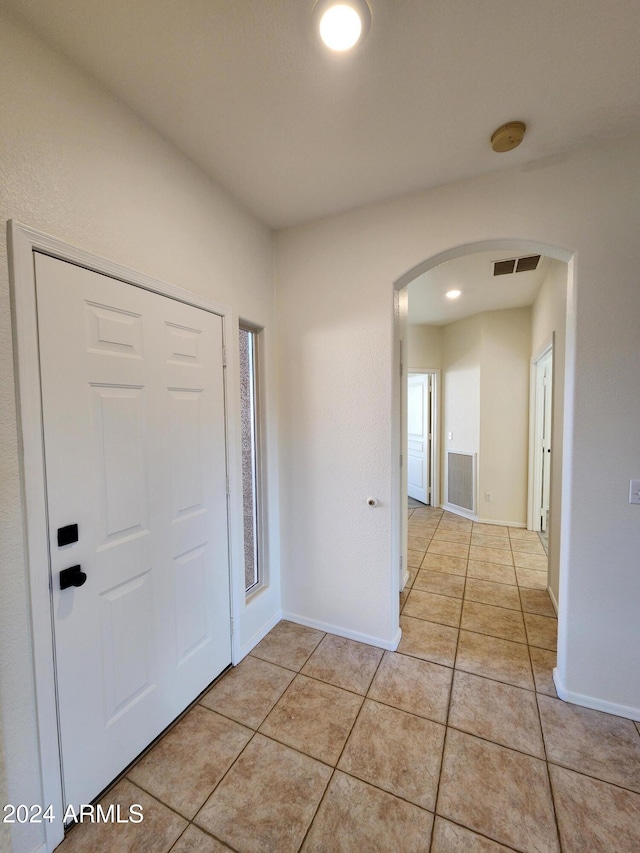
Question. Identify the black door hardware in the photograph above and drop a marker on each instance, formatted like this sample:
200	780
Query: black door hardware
67	535
72	577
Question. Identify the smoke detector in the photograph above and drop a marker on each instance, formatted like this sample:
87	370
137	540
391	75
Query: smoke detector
508	136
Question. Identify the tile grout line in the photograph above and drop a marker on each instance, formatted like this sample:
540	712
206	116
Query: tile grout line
172	809
448	595
544	743
410	713
251	739
344	746
488	677
540	722
446	730
478	833
546	762
317	809
483	633
590	775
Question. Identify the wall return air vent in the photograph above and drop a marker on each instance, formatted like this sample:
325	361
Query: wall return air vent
461	487
525	264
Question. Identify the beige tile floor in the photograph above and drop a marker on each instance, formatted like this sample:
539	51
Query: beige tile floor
456	743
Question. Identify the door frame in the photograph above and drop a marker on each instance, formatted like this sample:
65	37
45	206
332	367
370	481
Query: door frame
536	414
23	241
433	466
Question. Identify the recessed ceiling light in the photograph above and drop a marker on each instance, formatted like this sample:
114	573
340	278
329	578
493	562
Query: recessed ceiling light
342	23
453	294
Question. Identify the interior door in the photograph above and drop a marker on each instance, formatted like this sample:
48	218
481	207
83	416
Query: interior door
134	435
418	413
546	368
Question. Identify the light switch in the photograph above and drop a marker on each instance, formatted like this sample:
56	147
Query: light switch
450	436
634	491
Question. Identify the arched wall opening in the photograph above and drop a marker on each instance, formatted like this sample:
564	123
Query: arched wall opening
399	383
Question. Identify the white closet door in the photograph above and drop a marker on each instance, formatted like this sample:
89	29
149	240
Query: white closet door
418	436
134	434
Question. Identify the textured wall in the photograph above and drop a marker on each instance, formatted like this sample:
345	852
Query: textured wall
76	164
335	280
424	346
504	415
485	406
461	363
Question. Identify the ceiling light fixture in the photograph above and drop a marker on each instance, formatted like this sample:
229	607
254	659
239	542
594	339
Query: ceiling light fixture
453	294
342	24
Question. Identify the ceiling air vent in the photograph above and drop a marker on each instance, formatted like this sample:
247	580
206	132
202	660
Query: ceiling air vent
504	267
526	264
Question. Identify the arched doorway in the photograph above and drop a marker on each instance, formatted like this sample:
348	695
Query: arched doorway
500	248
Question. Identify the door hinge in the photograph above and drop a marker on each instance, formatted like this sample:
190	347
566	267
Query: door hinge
401	460
228	486
401	369
224	356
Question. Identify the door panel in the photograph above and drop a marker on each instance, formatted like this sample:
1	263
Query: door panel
127	633
133	410
418	406
119	429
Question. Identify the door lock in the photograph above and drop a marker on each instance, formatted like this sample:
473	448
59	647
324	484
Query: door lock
73	576
67	535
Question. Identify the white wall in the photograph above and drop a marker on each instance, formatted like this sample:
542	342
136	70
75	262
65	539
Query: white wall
424	346
336	347
485	406
460	410
504	415
76	164
548	317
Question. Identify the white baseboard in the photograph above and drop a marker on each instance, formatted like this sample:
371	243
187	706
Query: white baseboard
593	703
259	635
553	599
456	510
405	579
473	517
501	523
390	645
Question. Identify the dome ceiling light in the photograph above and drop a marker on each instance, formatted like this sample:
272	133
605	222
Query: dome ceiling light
508	136
342	24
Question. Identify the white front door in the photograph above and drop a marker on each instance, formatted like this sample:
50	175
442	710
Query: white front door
418	413
134	434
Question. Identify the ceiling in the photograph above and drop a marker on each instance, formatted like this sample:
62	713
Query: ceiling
481	290
245	90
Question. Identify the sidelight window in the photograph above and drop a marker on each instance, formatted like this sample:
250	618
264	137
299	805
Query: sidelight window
250	425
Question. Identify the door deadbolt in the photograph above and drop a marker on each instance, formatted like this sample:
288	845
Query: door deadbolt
73	576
